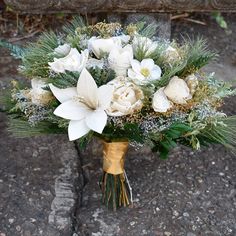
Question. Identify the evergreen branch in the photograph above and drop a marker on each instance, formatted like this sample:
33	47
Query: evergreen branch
16	51
197	55
20	128
70	28
222	133
37	56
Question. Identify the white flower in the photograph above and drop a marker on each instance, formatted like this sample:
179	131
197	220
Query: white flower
127	97
144	72
177	91
119	59
84	106
171	55
160	103
145	44
192	82
63	49
74	61
37	94
101	46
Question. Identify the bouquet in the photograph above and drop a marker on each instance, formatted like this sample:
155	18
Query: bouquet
123	85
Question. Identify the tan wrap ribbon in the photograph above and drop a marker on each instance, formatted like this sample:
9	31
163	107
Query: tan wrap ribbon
114	157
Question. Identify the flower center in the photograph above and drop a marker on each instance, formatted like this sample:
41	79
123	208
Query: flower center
145	72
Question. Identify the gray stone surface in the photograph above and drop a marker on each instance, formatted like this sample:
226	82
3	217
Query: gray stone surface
40	178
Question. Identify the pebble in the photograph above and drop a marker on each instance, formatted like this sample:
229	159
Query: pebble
166	233
185	214
221	174
176	213
11	220
191	234
132	223
2	234
158	209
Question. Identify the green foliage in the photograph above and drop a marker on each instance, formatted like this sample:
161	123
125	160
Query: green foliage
16	51
221	88
222	132
37	56
83	141
220	20
20	128
6	102
196	56
61	80
130	131
149	31
166	140
71	27
102	76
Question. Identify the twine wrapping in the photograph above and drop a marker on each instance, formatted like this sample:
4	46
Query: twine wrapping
114	157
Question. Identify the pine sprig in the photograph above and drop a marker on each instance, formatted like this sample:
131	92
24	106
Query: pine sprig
37	56
223	132
196	56
71	27
16	51
20	128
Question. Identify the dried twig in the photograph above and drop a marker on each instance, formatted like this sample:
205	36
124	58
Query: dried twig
179	16
24	37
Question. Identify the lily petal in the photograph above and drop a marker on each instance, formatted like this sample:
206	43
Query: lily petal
72	110
87	89
77	129
63	95
105	93
97	120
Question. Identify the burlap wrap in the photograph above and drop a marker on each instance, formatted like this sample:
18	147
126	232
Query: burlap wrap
114	157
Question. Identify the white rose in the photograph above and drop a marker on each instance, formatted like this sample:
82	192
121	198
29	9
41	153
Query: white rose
171	55
119	59
192	82
144	43
177	91
160	103
127	97
144	72
101	46
63	49
37	94
74	61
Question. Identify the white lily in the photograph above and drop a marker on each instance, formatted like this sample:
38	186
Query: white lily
144	72
84	106
74	61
